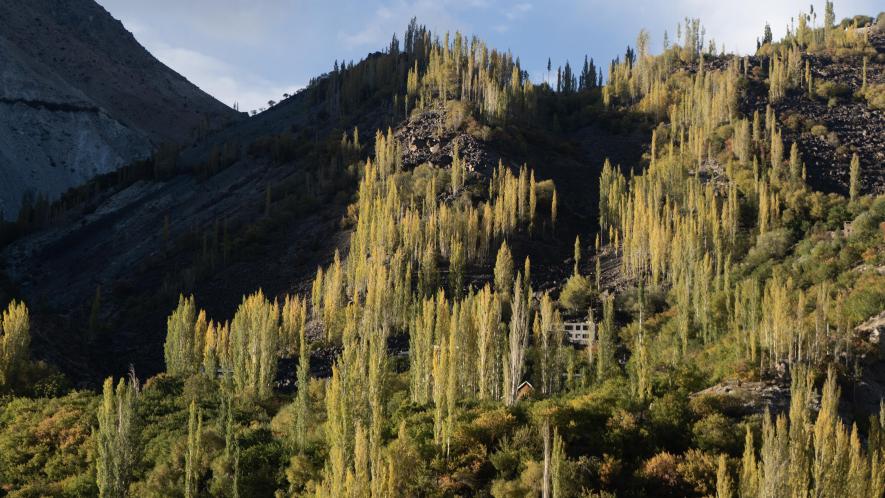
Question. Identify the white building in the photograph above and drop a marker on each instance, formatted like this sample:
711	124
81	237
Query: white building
580	333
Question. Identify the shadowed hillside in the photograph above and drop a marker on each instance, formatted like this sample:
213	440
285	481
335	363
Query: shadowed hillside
80	97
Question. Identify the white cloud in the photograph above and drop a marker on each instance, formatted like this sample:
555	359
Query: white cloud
220	79
392	17
736	24
518	11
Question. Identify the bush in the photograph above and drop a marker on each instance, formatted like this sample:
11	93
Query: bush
662	474
45	445
717	433
865	300
709	404
830	89
576	294
770	245
819	130
875	95
457	113
698	470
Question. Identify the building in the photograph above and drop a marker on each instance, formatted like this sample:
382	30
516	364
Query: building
580	333
525	390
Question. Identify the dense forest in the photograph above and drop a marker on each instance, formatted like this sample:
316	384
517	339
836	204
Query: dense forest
732	287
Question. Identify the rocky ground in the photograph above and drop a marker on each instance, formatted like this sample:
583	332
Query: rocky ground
426	138
830	130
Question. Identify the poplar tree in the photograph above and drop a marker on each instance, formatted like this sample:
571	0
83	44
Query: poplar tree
14	342
457	264
795	162
254	334
605	346
554	209
577	254
421	335
749	482
854	177
548	342
518	338
115	438
724	485
504	270
557	466
302	410
777	153
533	201
179	348
194	456
488	318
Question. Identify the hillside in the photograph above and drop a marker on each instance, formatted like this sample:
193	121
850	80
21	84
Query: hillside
80	97
144	237
427	275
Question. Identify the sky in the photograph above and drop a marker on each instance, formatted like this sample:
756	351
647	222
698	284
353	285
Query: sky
252	51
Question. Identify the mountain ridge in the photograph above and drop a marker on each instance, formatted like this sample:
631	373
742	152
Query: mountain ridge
75	79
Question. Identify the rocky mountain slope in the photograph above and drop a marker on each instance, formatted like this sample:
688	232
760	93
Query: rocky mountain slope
833	123
254	223
80	97
262	202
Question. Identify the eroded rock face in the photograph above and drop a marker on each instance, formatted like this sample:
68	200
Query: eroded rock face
747	398
830	133
80	97
425	138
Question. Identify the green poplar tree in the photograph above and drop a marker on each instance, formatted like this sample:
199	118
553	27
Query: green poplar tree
116	438
504	271
854	178
302	410
194	456
14	342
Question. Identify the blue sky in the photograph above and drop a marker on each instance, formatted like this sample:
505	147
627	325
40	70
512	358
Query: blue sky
250	51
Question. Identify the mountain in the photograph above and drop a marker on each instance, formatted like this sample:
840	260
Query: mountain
260	203
253	206
80	97
426	275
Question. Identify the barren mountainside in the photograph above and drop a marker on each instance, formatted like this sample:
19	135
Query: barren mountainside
79	96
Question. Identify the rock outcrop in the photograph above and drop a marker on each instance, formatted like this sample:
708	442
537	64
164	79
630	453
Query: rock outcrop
79	97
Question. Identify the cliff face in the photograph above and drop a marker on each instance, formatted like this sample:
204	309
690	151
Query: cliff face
79	97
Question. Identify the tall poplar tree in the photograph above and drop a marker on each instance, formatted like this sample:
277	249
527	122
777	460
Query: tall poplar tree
14	342
518	338
115	438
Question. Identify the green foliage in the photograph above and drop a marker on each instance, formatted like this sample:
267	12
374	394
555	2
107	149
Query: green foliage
716	433
14	342
874	93
46	445
504	270
116	438
727	266
183	349
770	246
254	334
576	294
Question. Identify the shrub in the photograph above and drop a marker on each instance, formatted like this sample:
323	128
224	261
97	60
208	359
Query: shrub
717	433
457	113
830	89
819	130
874	95
770	245
490	426
576	294
698	470
661	471
708	404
